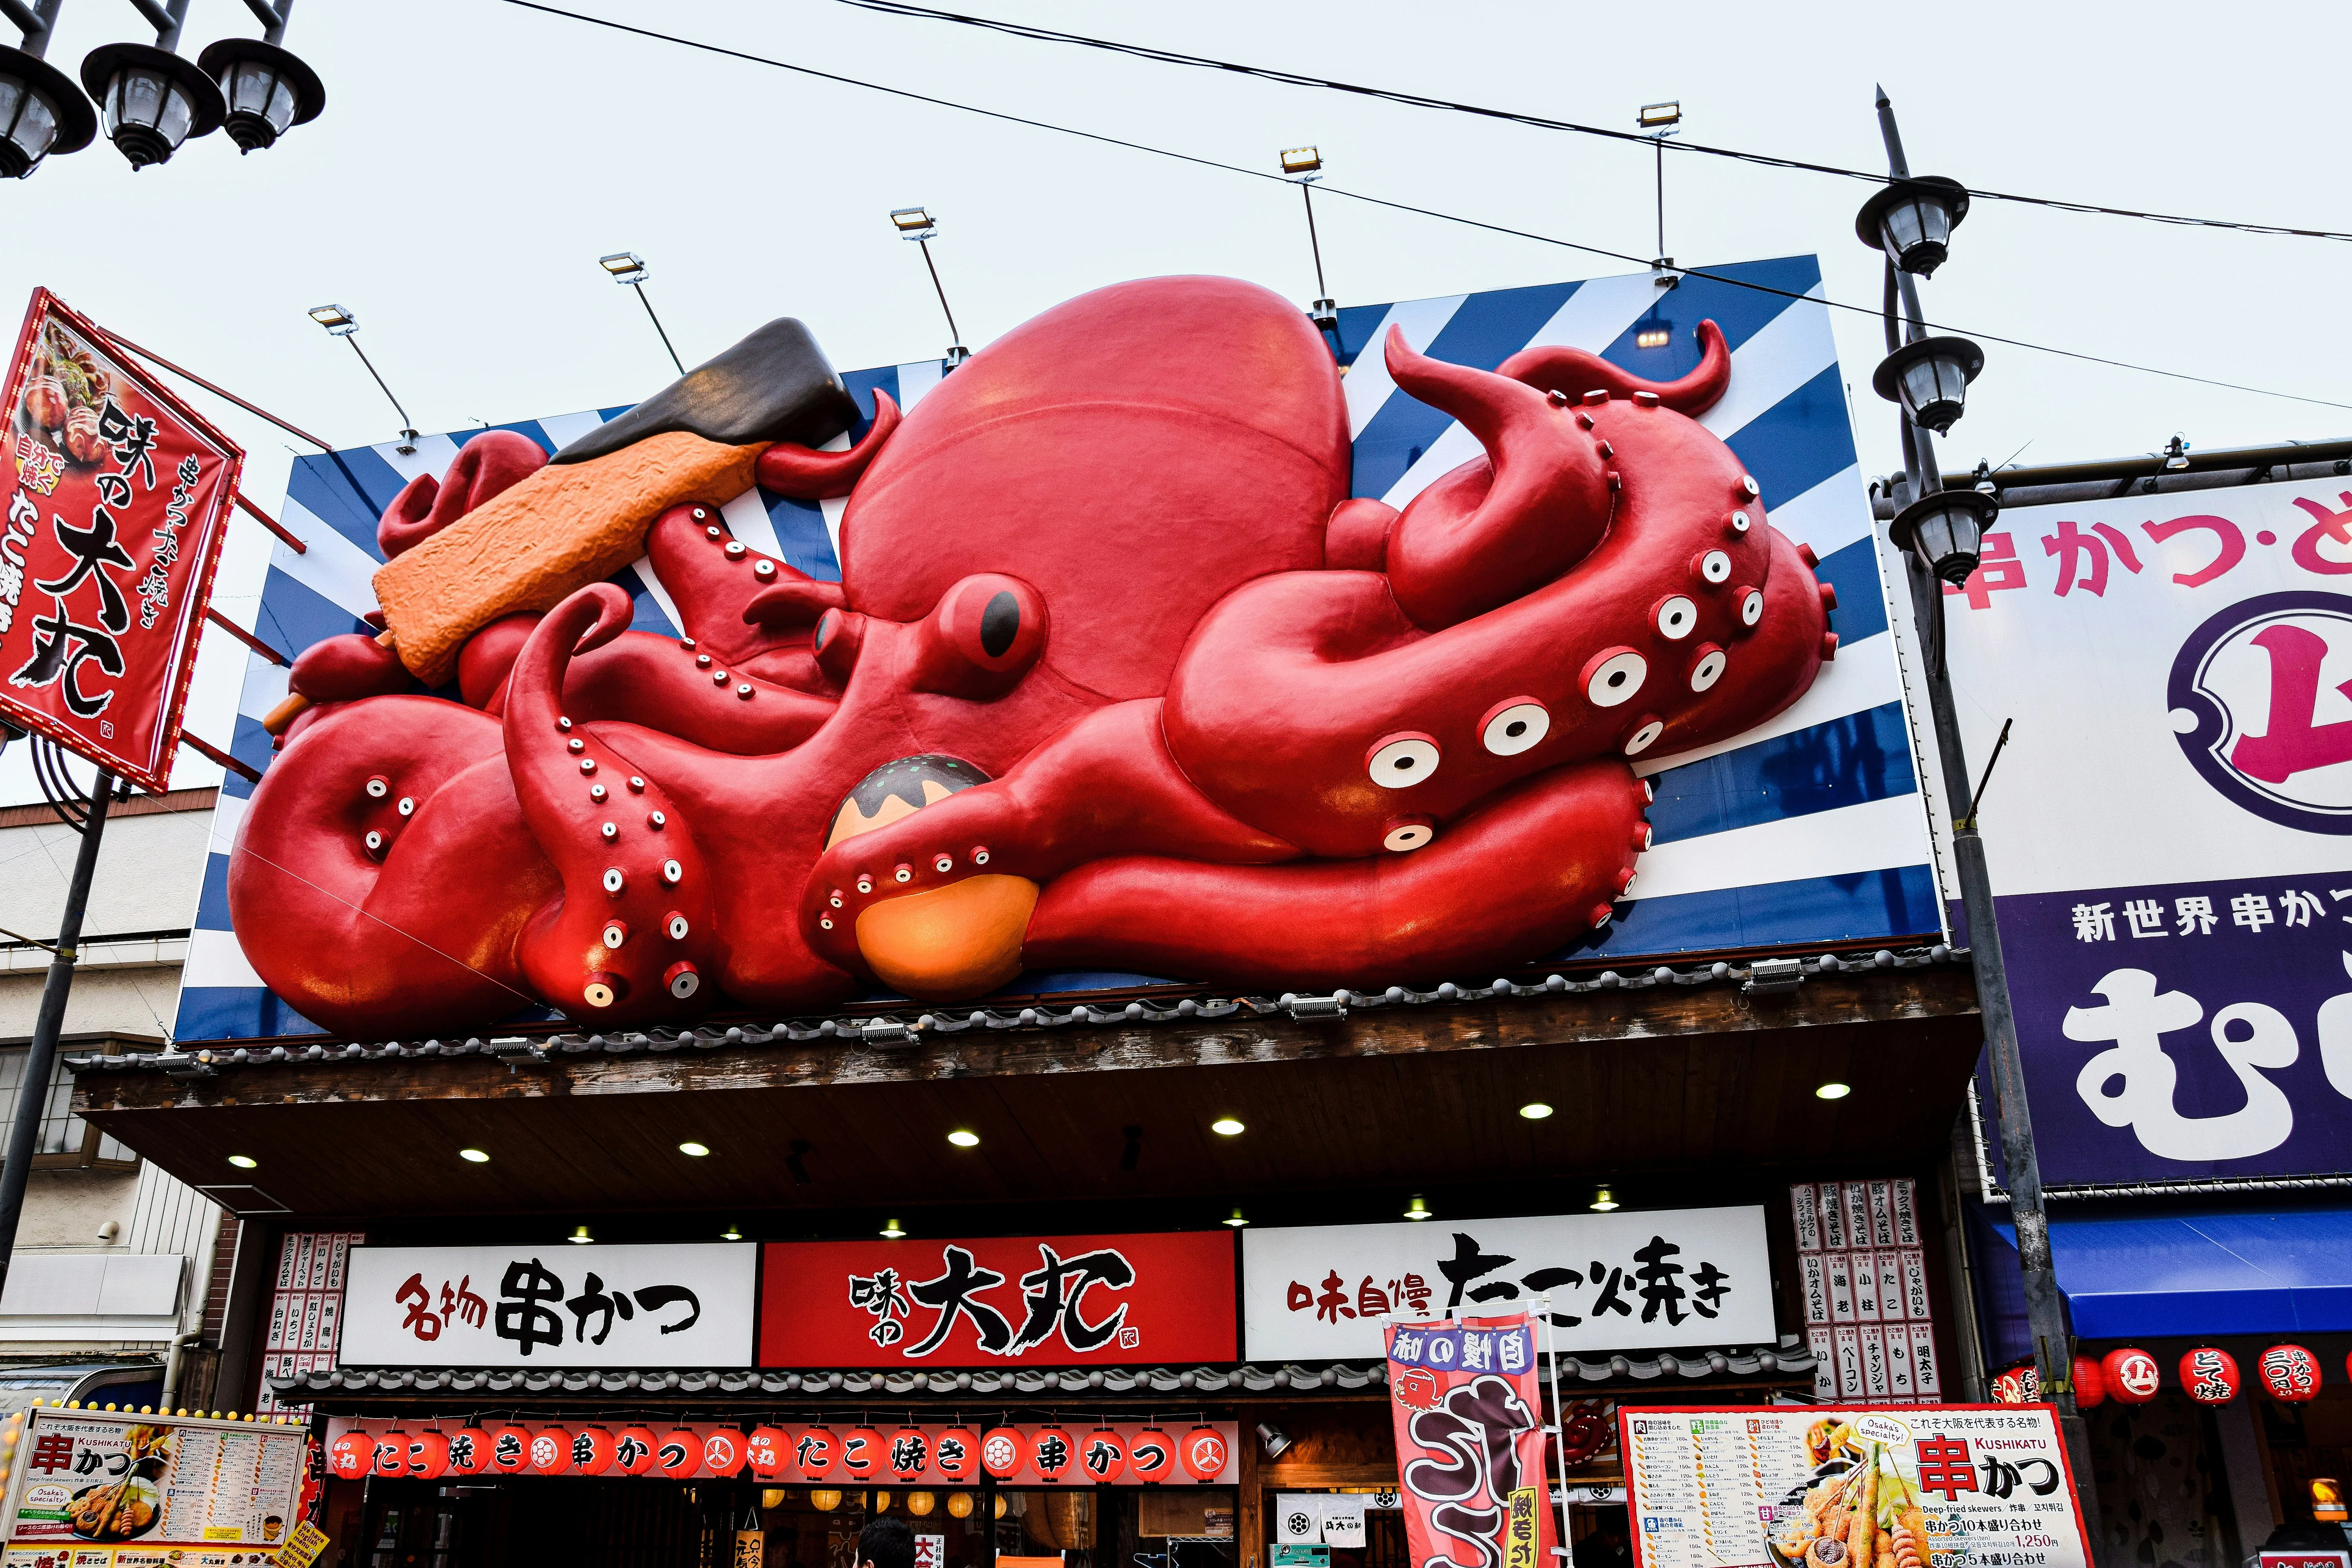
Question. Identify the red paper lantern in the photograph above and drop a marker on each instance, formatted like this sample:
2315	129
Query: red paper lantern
680	1452
2018	1382
351	1455
633	1450
861	1453
2090	1384
1205	1454
390	1456
769	1450
1002	1452
2210	1375
593	1451
910	1453
816	1451
429	1454
1051	1450
509	1450
469	1451
1151	1455
2132	1375
1102	1456
723	1451
955	1454
551	1450
2291	1373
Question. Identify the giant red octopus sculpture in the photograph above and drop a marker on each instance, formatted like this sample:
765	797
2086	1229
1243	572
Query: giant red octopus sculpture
1117	677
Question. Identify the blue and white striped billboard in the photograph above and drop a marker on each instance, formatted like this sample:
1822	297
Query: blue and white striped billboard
1809	830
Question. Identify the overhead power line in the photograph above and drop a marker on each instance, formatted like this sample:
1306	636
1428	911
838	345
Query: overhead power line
1872	311
1541	122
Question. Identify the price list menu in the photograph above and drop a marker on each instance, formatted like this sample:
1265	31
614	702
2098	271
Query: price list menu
1696	1498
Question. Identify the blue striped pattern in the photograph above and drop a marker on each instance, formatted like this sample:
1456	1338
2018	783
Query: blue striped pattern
1807	830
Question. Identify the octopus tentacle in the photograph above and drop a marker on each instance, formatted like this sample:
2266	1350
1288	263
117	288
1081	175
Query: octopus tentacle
1573	372
805	474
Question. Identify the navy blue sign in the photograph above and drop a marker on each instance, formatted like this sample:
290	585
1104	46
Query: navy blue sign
1505	1350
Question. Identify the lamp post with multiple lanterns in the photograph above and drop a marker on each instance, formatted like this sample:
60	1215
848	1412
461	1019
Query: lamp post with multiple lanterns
151	97
1941	532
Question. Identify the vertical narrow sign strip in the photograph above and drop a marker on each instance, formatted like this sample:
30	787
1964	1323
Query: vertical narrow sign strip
1470	1437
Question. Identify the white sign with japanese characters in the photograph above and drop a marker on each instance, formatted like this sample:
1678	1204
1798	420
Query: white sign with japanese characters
1664	1279
2169	828
606	1306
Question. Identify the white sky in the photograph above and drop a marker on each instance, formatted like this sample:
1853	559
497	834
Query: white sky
475	158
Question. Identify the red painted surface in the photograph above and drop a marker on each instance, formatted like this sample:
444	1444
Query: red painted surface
1237	727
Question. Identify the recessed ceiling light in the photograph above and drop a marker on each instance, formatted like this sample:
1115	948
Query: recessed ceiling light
243	1162
1237	1219
473	1156
1417	1209
1833	1092
580	1235
1226	1125
893	1229
963	1139
1604	1202
732	1233
697	1150
1535	1110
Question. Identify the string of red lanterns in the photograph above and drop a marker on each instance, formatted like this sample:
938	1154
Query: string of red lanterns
2209	1375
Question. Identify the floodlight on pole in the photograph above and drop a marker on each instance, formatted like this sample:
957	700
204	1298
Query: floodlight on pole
1304	165
342	323
627	266
1658	121
916	224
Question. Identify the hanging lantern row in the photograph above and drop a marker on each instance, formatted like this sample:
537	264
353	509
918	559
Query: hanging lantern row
2209	1375
151	98
814	1453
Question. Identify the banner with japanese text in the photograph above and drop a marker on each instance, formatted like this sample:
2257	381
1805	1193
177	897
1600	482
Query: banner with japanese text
1659	1280
1043	1301
2169	828
1470	1443
118	497
1816	1486
683	1304
90	1478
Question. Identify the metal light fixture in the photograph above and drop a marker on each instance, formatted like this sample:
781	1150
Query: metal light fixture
151	98
894	1230
1418	1208
734	1233
1304	165
1272	1440
580	1237
1237	1219
1912	220
2175	455
1930	376
1604	1202
41	111
342	323
918	224
628	268
1301	161
267	89
1658	116
1945	529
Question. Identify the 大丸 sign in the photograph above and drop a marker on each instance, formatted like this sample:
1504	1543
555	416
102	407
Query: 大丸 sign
118	496
637	1306
1616	1281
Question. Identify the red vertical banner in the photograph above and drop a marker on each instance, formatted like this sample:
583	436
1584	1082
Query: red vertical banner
117	497
1470	1443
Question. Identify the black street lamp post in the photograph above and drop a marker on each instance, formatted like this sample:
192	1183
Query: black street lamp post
41	111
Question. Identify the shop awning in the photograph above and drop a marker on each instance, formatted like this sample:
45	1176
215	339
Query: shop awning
2245	1272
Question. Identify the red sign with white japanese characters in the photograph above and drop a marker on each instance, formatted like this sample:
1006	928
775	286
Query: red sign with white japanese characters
118	496
1034	1300
1470	1440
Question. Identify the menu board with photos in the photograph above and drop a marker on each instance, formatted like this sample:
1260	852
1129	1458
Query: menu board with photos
88	1480
1959	1486
1862	1270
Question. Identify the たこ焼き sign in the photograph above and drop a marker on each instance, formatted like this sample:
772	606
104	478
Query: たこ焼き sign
1614	1281
117	497
688	1304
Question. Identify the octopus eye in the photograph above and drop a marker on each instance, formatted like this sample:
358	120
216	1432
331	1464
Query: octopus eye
614	880
615	933
1751	607
1403	761
682	980
678	927
1515	726
1614	675
1643	739
1738	522
1708	669
1715	566
672	872
1677	617
1405	834
378	788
